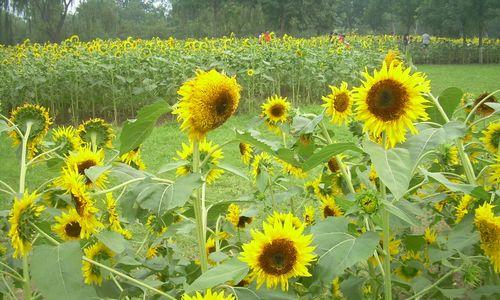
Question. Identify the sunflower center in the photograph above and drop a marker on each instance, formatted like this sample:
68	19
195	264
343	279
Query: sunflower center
79	204
329	212
333	165
409	271
84	165
341	102
242	221
495	138
73	229
243	149
223	103
488	232
387	100
278	257
277	110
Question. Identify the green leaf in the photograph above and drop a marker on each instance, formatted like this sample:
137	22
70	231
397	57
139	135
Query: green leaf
4	126
172	166
134	132
302	125
398	212
463	235
56	271
113	240
449	101
233	270
455	187
393	166
233	169
453	293
93	173
326	153
336	247
253	137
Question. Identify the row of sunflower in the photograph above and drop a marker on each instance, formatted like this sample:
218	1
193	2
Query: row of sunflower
388	191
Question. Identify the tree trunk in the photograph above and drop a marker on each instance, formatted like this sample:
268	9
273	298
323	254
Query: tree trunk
481	41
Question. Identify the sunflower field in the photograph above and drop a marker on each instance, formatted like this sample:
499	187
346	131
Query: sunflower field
402	206
112	79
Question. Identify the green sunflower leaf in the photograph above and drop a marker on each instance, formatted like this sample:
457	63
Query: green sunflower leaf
232	270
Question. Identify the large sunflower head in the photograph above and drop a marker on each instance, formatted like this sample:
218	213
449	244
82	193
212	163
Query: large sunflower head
329	208
206	148
278	253
207	101
246	152
67	138
209	295
234	216
133	159
488	226
97	252
23	212
68	225
390	101
491	137
96	131
275	110
483	109
39	120
338	104
82	160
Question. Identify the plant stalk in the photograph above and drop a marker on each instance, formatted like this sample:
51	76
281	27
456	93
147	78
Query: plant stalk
386	229
199	211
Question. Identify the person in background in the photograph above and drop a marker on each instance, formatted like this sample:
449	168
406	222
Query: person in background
426	40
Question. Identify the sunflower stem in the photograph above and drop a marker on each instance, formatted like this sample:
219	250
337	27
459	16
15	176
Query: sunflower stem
386	229
342	166
45	235
93	141
427	289
199	211
469	171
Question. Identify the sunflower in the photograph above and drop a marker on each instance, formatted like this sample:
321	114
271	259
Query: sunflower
234	216
68	226
67	138
262	161
97	131
275	110
463	208
278	253
308	215
113	218
393	249
207	101
97	252
409	268
491	137
281	217
390	101
451	156
329	208
290	169
430	236
82	160
207	148
488	226
156	225
338	104
494	172
483	109
133	159
246	152
336	292
24	211
208	296
392	57
368	200
152	252
250	72
333	165
39	119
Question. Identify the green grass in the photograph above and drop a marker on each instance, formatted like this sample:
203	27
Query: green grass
165	140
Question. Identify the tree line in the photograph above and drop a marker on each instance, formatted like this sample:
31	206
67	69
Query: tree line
54	20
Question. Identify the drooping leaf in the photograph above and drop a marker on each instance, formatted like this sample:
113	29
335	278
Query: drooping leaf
57	272
233	169
393	166
113	240
302	125
253	137
326	153
232	270
93	173
134	132
455	187
172	166
400	213
449	101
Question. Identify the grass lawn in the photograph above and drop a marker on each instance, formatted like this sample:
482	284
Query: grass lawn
161	146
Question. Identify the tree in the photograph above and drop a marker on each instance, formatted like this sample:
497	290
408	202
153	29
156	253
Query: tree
51	14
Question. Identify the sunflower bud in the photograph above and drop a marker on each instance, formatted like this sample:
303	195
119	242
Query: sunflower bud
368	200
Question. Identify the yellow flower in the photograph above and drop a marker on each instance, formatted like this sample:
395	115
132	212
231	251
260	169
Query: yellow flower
451	156
250	72
292	170
40	121
68	226
207	101
96	252
234	216
282	217
308	215
113	217
329	208
97	131
390	101
494	173
462	207
333	165
430	236
208	296
262	161
278	253
210	169
338	104
133	159
67	138
488	226
491	137
392	57
275	110
483	109
408	270
336	292
24	211
152	252
246	152
82	160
